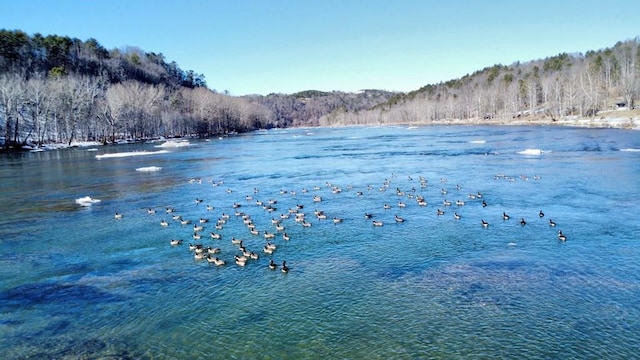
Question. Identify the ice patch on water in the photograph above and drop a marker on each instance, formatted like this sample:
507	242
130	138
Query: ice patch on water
532	152
86	201
630	150
173	144
130	153
149	168
477	141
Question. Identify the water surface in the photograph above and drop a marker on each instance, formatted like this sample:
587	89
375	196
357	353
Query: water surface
76	282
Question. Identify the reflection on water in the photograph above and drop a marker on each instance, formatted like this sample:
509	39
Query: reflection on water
90	285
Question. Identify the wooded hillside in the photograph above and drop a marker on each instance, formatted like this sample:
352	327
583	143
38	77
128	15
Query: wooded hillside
565	85
59	89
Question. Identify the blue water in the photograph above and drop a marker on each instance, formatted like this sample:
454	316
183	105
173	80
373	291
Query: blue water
77	283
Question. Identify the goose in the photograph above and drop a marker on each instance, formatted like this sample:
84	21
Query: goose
212	250
209	208
541	214
198	201
484	203
402	204
284	268
280	227
176	217
272	265
215	236
459	202
193	247
235	241
240	260
446	203
286	236
150	211
456	216
203	220
267	250
253	231
368	216
484	223
185	222
197	236
399	219
552	223
169	210
216	261
270	246
199	256
197	228
118	216
387	206
268	235
505	216
377	223
164	223
253	255
439	212
337	220
522	222
561	236
175	242
306	224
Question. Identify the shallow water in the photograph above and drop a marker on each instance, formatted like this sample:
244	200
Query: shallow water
76	282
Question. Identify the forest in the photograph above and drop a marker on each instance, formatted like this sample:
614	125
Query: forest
57	89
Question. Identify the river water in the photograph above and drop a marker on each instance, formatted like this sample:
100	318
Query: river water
75	282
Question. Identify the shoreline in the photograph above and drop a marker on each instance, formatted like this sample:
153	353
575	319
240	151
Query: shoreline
617	122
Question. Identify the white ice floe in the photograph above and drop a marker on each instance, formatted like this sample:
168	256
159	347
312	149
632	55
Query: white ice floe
131	153
477	141
149	168
86	201
532	152
173	144
630	150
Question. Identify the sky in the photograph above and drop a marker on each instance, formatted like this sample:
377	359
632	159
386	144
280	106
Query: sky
285	46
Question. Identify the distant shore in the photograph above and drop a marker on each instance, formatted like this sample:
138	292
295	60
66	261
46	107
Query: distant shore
629	120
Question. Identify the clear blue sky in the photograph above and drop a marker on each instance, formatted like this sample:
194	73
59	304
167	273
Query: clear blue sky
285	46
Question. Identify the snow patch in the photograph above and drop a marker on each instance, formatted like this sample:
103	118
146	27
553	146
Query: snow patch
86	201
532	152
130	153
149	168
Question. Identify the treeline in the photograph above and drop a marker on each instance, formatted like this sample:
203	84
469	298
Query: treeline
60	89
579	85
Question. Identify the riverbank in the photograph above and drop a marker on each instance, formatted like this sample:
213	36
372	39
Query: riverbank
614	119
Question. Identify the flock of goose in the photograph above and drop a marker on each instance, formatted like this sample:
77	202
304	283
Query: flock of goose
203	228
